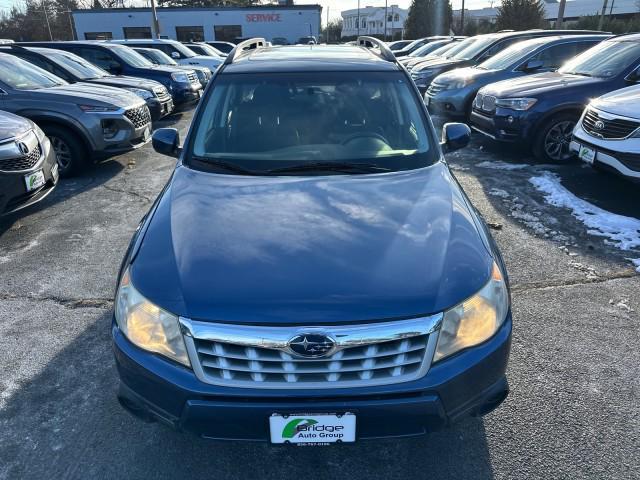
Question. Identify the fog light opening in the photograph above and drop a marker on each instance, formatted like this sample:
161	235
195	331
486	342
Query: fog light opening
510	119
109	129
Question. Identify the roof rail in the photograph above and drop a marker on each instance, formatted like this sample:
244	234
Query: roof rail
250	44
373	42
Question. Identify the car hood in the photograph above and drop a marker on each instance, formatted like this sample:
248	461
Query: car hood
12	125
210	62
97	95
311	249
462	73
532	85
440	63
622	102
127	82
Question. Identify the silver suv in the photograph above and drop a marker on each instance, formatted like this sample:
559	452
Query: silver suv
28	168
85	123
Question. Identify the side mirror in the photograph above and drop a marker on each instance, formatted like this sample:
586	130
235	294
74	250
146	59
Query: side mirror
634	77
532	65
455	136
175	55
166	141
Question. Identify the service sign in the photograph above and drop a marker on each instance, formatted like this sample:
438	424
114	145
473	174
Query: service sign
313	429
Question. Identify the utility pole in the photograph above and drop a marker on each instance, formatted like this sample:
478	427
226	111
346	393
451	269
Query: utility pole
156	24
386	16
611	9
462	19
560	19
358	17
604	10
327	27
46	16
73	32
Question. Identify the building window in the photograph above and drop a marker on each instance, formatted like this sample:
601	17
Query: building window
364	23
190	34
397	19
98	36
227	33
136	32
389	18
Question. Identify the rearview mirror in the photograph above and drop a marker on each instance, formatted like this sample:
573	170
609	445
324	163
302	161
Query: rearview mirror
175	55
455	136
532	65
166	141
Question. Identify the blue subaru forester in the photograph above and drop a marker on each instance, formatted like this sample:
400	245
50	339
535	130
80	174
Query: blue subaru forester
312	272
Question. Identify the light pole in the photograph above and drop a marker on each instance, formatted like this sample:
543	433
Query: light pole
46	16
358	17
156	24
386	16
462	19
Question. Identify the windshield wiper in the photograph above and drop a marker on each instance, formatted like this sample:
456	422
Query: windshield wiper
331	167
230	167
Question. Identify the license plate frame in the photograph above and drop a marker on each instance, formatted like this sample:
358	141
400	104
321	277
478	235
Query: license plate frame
587	154
312	429
34	180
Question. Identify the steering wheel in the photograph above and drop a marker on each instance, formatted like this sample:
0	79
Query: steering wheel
357	135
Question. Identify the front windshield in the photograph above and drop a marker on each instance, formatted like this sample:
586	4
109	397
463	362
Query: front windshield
184	51
475	48
459	46
157	56
21	75
78	66
208	50
514	53
130	56
428	48
270	121
606	59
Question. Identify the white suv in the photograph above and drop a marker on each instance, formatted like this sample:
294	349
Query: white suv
176	50
608	133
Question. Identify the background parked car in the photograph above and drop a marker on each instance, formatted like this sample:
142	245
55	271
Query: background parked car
279	41
202	48
414	45
541	110
28	168
477	50
398	45
608	133
424	51
181	54
183	85
452	93
83	122
224	47
73	69
158	57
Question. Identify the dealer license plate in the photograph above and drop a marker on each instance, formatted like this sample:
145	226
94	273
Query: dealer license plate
586	154
313	429
34	180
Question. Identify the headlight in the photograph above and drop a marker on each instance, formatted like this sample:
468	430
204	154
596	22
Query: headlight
180	77
39	133
97	108
147	325
145	94
459	83
476	319
516	103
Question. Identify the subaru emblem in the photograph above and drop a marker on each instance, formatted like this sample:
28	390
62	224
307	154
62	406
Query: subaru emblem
311	345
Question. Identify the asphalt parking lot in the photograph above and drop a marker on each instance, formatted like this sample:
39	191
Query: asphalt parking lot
573	411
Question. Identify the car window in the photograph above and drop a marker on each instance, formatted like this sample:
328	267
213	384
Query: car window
22	75
80	67
507	57
502	45
607	59
100	57
553	57
474	48
129	56
275	120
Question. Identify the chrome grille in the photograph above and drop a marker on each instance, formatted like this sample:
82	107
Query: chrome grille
25	162
161	92
260	357
193	78
434	89
608	128
488	103
139	116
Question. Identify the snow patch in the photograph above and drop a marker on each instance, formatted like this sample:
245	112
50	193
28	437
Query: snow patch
620	231
498	192
502	165
636	263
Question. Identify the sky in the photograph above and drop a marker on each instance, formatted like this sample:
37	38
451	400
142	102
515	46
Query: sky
336	6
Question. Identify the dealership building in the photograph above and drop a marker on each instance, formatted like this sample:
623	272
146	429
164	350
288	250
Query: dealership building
201	24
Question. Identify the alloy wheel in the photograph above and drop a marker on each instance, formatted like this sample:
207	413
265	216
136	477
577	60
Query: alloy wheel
63	152
557	140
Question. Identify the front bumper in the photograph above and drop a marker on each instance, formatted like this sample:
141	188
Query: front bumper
621	156
13	190
186	93
129	135
471	382
450	103
503	125
160	107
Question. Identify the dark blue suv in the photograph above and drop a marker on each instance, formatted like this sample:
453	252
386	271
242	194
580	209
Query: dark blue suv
183	86
312	272
541	110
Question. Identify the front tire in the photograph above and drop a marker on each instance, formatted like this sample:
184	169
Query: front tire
69	150
551	144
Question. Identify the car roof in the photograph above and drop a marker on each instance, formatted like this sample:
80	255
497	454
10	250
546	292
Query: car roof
301	58
145	40
629	37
